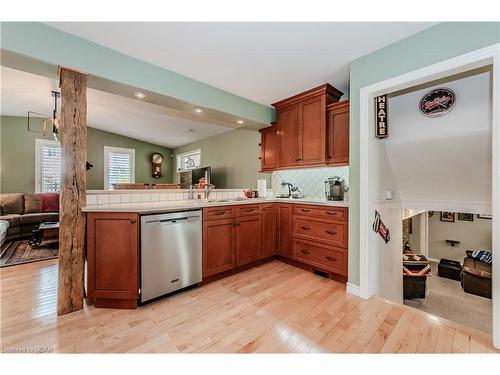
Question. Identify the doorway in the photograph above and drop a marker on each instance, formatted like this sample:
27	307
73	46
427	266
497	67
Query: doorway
379	267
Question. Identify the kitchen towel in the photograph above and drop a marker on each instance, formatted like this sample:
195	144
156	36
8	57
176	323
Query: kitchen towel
261	188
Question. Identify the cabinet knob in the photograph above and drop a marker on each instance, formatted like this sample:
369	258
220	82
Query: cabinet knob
133	221
298	159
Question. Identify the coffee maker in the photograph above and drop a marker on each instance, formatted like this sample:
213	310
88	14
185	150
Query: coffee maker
334	189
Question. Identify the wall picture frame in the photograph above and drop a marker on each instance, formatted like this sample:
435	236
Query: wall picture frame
482	216
465	216
448	217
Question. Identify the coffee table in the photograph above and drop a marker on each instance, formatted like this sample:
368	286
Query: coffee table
45	231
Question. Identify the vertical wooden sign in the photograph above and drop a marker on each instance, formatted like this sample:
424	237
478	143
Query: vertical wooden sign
381	129
73	135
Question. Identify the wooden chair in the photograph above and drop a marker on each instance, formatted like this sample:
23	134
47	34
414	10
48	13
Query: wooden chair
130	186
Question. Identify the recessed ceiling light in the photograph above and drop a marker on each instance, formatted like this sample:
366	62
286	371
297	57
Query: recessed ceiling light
198	110
240	122
189	130
139	95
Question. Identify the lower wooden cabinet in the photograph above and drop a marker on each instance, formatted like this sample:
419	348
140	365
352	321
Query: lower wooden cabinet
268	230
218	245
113	259
247	239
284	229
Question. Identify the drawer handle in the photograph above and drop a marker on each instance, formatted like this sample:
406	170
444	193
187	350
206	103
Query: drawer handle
133	221
331	259
249	210
220	213
331	213
298	159
332	232
304	210
305	228
305	252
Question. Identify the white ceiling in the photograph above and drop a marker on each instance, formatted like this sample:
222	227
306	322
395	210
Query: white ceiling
264	62
22	92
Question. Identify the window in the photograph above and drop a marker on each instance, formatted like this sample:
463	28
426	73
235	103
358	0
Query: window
189	160
48	165
119	166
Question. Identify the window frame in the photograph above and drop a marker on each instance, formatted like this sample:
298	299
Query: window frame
39	144
107	150
181	155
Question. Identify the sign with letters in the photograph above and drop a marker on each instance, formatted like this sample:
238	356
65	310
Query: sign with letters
381	130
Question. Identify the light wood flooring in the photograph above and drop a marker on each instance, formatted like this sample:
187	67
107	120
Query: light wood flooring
273	308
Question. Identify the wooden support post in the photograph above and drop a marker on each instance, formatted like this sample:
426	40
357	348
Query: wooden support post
73	137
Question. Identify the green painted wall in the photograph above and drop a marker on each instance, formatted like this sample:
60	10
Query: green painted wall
438	43
233	156
55	47
17	156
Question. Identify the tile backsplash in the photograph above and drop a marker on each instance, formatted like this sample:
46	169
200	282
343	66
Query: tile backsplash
311	182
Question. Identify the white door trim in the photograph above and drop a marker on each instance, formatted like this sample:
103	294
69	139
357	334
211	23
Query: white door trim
472	60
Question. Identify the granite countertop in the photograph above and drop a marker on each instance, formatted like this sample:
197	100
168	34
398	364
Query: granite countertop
170	206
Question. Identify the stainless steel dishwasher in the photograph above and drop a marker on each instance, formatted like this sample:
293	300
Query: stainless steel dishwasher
170	252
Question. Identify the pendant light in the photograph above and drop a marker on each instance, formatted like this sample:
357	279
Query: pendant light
55	119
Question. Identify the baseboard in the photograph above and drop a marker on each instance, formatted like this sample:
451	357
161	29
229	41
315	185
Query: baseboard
352	289
436	260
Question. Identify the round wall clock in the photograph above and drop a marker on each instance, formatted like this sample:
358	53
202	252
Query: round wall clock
437	102
156	160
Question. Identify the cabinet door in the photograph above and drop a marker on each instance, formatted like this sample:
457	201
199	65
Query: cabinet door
312	131
338	134
268	230
284	229
247	239
218	245
288	128
113	256
269	148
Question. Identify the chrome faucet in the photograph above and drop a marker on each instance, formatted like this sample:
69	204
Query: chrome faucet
207	188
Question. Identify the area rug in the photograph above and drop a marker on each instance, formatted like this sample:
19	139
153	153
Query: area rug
20	252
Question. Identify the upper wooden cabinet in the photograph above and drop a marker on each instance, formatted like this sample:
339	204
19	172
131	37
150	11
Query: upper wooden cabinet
269	148
302	137
338	133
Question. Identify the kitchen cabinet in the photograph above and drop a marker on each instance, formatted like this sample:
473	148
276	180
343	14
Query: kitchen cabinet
268	230
284	229
302	127
269	148
113	259
338	133
289	133
218	245
247	239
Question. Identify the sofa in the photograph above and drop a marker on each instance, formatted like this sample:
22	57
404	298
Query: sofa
26	211
476	277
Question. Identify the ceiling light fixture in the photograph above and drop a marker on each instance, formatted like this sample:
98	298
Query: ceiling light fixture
189	130
240	122
55	119
139	95
198	110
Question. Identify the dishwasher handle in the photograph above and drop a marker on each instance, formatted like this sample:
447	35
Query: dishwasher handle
181	220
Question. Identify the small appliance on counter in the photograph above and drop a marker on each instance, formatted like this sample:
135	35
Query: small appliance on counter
334	189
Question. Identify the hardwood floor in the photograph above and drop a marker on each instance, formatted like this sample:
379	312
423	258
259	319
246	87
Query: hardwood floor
273	308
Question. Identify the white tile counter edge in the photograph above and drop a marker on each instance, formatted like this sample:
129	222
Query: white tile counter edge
168	206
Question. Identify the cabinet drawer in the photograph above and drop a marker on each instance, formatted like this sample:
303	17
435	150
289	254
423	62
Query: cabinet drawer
248	209
333	213
331	232
322	256
216	213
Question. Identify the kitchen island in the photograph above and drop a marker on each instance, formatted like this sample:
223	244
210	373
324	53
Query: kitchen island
237	234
